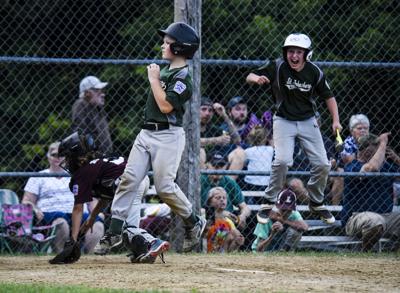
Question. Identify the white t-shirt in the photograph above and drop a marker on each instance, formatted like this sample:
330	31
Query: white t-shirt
52	193
259	159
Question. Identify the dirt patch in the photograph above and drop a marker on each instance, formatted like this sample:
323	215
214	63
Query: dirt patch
214	273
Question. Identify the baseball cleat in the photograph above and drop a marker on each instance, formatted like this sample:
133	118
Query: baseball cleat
193	235
107	244
157	248
324	214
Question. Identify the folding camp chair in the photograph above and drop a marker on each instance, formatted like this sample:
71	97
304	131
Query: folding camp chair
18	233
7	196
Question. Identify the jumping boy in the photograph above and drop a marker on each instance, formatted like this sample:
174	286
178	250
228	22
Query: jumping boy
295	82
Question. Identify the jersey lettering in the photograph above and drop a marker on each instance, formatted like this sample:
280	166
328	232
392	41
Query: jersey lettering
295	84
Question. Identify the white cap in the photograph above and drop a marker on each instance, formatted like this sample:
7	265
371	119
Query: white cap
90	82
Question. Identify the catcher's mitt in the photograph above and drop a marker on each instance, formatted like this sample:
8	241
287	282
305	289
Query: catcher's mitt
70	254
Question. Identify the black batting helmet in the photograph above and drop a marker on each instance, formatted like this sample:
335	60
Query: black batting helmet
76	145
186	39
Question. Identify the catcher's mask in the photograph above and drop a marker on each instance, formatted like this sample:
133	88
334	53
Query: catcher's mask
186	39
74	147
301	41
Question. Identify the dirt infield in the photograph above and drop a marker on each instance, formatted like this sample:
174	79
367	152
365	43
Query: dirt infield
215	273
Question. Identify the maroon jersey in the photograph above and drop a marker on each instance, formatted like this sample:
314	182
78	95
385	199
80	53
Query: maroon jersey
99	178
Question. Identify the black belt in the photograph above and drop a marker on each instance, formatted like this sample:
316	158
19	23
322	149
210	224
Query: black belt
155	126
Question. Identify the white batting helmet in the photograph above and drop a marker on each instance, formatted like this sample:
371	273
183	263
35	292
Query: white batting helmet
298	40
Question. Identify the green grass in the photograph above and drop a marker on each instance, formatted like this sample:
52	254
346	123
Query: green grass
34	288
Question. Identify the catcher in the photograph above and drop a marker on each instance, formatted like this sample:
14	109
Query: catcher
96	175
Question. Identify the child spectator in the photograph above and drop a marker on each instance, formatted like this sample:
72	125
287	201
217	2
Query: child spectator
222	235
235	198
284	228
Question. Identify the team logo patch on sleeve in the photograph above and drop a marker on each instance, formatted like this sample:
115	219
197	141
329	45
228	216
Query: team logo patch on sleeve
179	87
75	189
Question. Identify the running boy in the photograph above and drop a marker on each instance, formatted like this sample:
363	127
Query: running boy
161	141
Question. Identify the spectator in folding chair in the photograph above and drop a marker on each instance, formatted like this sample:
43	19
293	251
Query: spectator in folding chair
235	197
7	196
368	201
284	228
52	203
18	233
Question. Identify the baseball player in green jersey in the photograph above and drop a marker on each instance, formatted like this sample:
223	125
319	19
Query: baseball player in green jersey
161	141
295	83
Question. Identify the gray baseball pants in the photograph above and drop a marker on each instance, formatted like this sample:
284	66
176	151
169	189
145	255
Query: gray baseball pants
161	150
309	135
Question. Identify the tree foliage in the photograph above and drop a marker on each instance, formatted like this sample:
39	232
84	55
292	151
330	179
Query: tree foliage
36	99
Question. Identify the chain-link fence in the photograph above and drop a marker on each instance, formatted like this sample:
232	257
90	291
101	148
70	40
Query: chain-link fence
48	47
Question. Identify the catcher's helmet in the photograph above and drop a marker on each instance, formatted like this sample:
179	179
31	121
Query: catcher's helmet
76	145
301	41
186	39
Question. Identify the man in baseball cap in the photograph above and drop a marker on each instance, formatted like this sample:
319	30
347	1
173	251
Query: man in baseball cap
284	228
206	101
90	82
218	160
235	101
89	115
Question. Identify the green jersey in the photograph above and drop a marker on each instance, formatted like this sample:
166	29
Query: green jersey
295	92
177	84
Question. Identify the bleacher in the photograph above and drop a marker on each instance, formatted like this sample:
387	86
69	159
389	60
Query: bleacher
322	236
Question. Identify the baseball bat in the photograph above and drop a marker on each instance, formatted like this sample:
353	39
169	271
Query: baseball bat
338	142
